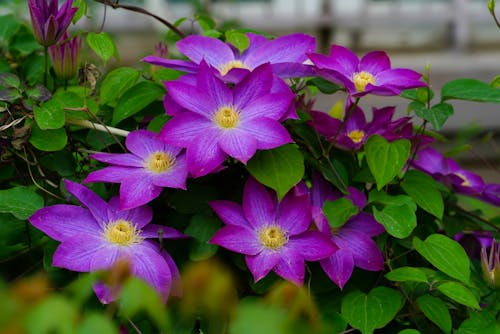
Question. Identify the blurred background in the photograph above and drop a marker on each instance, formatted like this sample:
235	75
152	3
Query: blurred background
457	38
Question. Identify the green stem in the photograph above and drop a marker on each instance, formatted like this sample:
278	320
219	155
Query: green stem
46	67
98	127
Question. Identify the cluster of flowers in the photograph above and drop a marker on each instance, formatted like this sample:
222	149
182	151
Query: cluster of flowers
231	104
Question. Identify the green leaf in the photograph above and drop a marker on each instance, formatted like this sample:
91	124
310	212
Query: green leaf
238	39
459	293
437	114
386	159
280	168
383	198
9	94
135	99
136	296
82	10
102	44
405	274
372	311
96	323
53	315
270	319
8	27
48	140
24	42
116	83
22	202
325	86
422	94
436	311
445	254
9	80
495	83
483	322
398	220
339	211
50	114
334	172
202	228
470	90
409	331
206	22
424	190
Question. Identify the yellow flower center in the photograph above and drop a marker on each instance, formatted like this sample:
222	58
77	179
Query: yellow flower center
361	79
227	117
272	237
122	232
225	68
159	162
465	182
356	136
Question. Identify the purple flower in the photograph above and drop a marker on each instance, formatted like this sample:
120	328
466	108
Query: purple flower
447	171
142	174
372	74
351	134
97	235
65	56
354	238
273	236
49	22
217	121
286	54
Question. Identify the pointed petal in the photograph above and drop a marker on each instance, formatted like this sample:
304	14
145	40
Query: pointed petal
365	251
143	142
400	78
258	205
339	266
204	154
76	253
175	64
293	70
272	106
191	98
212	50
366	223
291	267
184	129
230	213
253	86
261	264
294	213
62	221
140	216
375	62
267	132
216	90
238	144
312	245
325	124
120	159
156	231
109	174
237	239
97	206
137	189
175	177
105	257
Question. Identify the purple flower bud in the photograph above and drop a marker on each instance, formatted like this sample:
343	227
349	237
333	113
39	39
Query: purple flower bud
49	21
491	264
66	56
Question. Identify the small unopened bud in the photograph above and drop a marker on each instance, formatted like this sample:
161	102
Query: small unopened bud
491	264
65	57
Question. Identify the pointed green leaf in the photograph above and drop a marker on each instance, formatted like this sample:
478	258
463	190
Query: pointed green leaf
238	39
372	311
339	211
483	322
398	220
135	99
202	228
102	44
423	189
404	274
446	255
22	202
385	159
409	331
9	25
436	311
48	140
459	293
96	323
116	83
383	198
50	114
9	80
280	168
470	90
437	114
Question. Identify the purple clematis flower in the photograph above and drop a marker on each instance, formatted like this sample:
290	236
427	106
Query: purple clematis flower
49	22
352	133
65	56
354	238
142	174
217	121
286	54
447	171
97	235
273	236
370	75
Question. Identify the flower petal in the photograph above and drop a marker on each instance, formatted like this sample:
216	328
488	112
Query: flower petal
218	93
400	78
291	266
204	154
238	144
212	50
258	205
312	245
261	264
230	213
366	223
137	189
175	64
365	251
113	174
272	106
294	213
267	132
375	62
76	253
339	266
237	239
156	231
253	86
120	159
97	206
184	129
140	215
175	177
143	142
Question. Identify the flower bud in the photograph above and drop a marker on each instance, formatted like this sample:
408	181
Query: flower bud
491	264
66	57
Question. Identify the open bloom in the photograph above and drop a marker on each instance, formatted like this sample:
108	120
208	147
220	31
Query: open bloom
447	171
97	235
352	133
370	75
286	54
354	238
273	236
49	21
65	56
218	121
144	172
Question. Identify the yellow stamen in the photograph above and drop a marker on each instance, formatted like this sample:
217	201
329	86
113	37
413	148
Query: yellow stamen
159	162
122	232
227	117
361	79
465	182
272	237
225	68
356	136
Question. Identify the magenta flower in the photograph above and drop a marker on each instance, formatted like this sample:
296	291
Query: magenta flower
370	75
272	236
65	56
352	133
447	171
354	238
49	22
217	121
95	236
144	172
286	54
